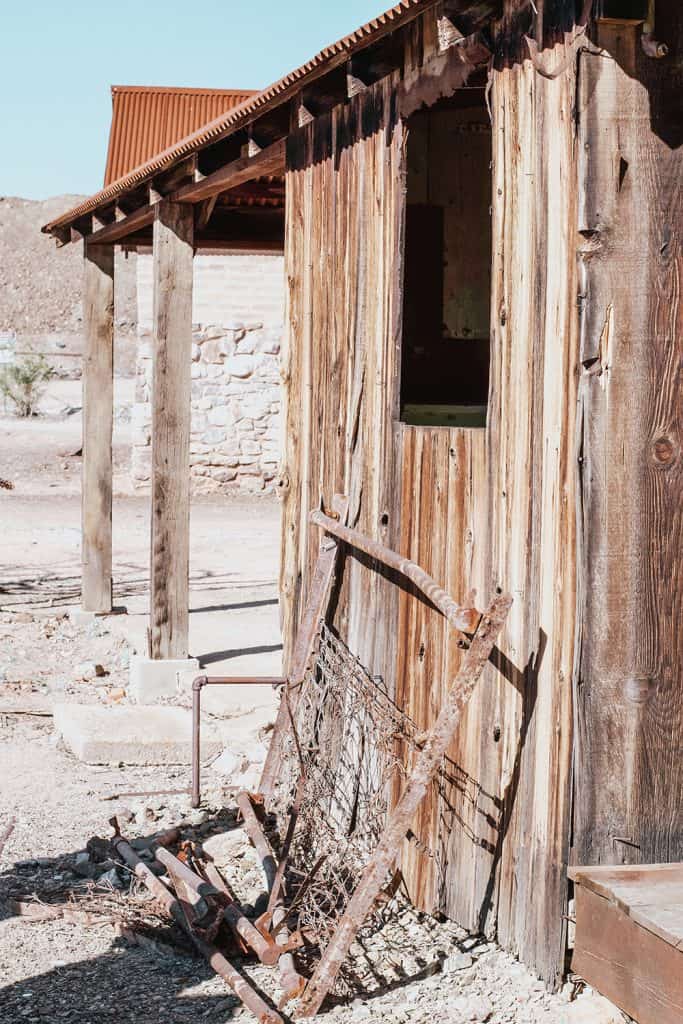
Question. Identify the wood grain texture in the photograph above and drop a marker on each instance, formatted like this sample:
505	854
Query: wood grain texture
172	359
344	211
638	970
98	411
629	698
474	508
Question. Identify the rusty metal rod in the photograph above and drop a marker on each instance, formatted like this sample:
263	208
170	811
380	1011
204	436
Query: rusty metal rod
252	827
399	820
240	986
464	619
221	965
293	983
266	951
197	686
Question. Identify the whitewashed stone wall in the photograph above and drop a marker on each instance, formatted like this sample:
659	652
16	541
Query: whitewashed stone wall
235	438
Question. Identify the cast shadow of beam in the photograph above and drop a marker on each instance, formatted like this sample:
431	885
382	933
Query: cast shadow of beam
214	656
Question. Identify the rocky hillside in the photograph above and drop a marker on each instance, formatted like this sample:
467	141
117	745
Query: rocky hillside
40	286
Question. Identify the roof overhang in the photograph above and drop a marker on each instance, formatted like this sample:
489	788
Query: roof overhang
248	142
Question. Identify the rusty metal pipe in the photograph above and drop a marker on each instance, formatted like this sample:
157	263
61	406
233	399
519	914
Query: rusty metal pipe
154	884
464	619
252	827
266	951
242	989
240	986
293	983
197	686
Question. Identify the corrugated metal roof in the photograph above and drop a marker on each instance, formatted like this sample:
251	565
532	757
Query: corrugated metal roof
148	119
230	122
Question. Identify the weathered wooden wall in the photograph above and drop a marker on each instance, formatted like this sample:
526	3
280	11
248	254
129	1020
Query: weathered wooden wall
629	698
570	498
475	508
497	508
339	363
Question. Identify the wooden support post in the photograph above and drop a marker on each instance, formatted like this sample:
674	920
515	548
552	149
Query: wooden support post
98	411
170	550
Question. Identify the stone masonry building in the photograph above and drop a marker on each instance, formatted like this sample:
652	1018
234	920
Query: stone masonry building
237	330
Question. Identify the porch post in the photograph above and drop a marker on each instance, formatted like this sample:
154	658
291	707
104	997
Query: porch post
98	415
172	361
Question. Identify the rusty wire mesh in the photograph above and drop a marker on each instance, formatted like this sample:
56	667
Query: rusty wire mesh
347	753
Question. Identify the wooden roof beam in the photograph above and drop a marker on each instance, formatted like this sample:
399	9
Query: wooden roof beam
119	229
270	160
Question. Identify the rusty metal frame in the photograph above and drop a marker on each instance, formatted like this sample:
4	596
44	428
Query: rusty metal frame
387	851
481	632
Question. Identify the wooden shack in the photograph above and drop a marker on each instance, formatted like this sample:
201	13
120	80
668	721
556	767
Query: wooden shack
483	257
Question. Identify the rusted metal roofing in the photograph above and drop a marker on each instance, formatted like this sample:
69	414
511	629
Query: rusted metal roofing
235	119
148	119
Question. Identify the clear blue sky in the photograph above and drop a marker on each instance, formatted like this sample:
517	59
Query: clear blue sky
58	59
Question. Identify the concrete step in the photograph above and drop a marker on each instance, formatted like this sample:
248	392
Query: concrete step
136	735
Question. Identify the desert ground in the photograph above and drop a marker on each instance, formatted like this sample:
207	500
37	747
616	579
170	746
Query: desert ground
78	942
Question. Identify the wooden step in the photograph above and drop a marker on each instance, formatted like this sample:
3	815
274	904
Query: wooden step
629	937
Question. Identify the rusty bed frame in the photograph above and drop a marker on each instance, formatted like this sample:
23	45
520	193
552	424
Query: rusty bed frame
480	631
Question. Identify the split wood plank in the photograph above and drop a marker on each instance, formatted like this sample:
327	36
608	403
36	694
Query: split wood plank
172	359
98	420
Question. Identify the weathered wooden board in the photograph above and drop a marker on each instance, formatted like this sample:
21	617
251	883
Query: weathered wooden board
172	359
343	251
629	695
630	964
98	419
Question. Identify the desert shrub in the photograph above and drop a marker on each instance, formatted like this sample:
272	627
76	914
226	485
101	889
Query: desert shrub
24	383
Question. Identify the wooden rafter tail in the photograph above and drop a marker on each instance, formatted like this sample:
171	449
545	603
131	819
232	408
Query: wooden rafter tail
319	595
426	766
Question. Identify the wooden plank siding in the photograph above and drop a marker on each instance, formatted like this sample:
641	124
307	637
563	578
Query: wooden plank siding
629	758
476	508
344	211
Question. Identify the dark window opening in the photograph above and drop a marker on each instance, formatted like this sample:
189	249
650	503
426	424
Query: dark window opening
447	264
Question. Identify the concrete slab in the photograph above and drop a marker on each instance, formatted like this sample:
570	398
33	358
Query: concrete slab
140	735
152	680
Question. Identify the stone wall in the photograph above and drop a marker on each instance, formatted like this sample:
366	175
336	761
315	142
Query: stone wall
235	436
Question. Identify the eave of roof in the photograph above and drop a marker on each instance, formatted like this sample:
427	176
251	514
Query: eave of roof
246	112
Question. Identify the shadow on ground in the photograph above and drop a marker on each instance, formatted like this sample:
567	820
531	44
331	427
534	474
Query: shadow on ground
123	985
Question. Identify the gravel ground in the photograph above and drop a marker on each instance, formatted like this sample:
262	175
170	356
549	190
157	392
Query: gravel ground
83	971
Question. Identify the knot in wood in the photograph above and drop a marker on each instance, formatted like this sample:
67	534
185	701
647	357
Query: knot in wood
663	453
